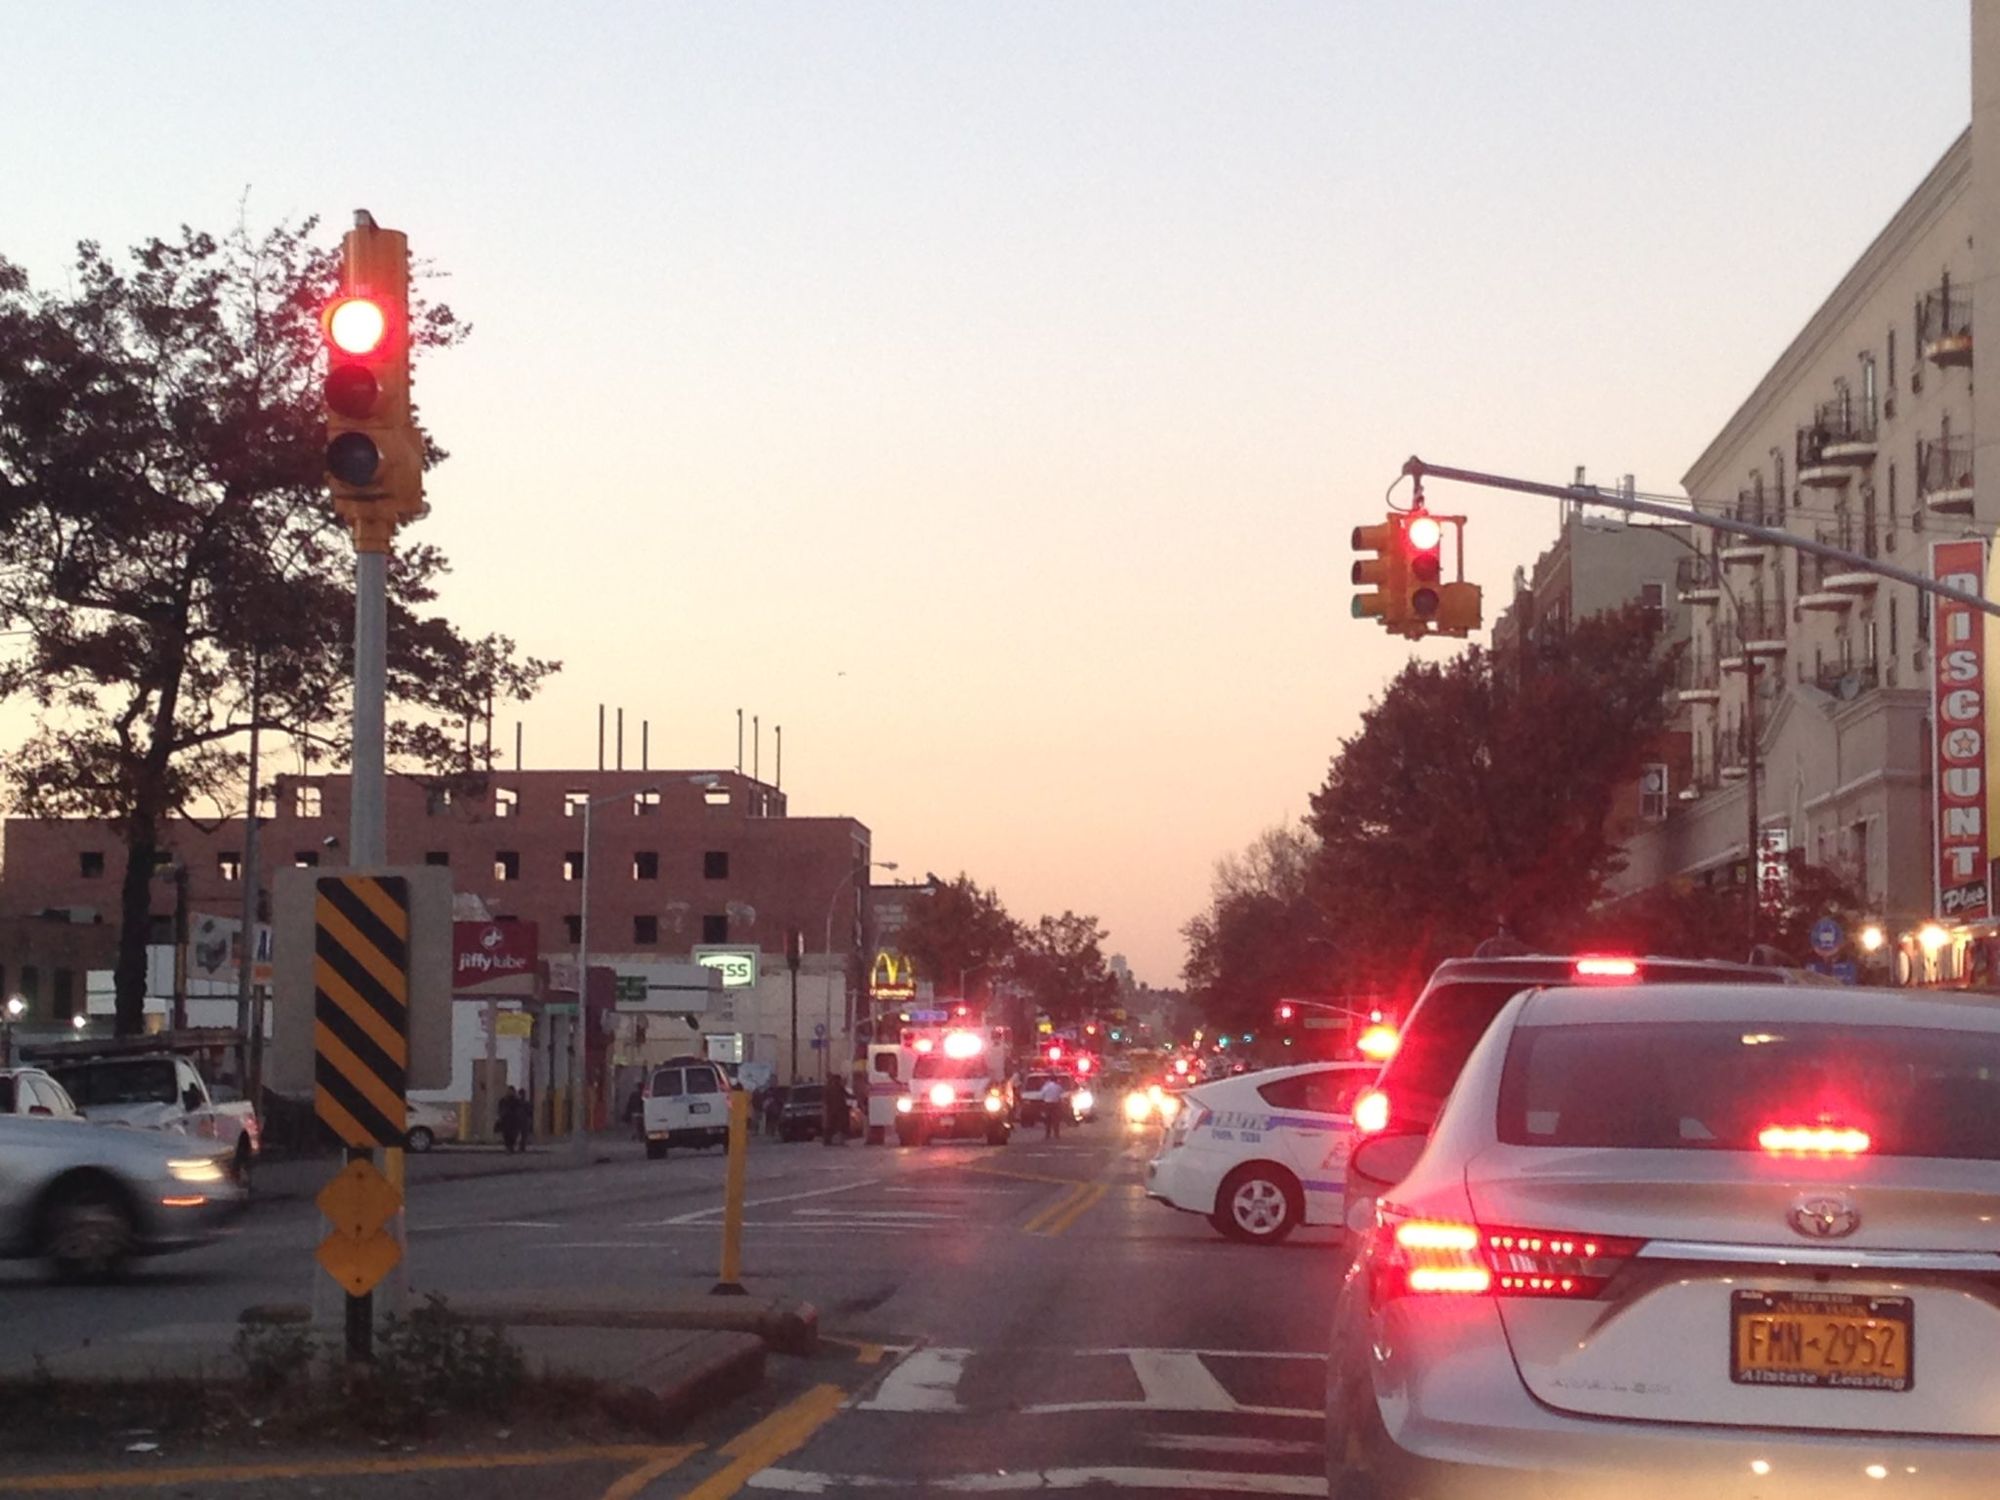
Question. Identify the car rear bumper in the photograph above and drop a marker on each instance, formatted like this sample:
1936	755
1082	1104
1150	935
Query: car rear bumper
1447	1418
955	1121
1180	1180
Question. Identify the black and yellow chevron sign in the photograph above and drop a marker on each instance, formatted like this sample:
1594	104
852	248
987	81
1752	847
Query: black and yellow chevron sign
361	1006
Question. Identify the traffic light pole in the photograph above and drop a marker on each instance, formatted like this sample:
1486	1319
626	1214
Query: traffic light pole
1590	494
367	825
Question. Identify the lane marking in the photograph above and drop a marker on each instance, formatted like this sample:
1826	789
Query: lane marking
865	1353
340	1468
1089	1199
927	1380
898	1214
1043	1216
630	1485
784	1431
1244	1447
696	1215
1063	1408
1174	1380
1195	1481
1213	1353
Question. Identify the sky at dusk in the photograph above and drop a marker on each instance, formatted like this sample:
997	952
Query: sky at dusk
985	392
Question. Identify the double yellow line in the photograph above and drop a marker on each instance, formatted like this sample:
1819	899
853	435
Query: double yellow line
1053	1218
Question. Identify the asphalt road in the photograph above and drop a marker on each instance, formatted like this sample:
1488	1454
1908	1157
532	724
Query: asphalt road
996	1320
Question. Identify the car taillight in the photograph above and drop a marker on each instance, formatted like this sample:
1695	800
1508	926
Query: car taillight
1814	1140
1371	1112
1430	1258
1607	968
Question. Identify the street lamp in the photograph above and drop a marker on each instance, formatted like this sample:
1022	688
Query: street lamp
579	1134
15	1009
847	1001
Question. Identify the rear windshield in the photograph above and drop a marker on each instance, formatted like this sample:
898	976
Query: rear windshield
1711	1086
806	1093
145	1081
1441	1034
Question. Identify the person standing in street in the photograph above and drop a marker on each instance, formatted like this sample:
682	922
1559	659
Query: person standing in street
513	1121
1054	1101
835	1120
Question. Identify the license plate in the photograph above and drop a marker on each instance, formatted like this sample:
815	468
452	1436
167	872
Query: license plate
1822	1341
697	1109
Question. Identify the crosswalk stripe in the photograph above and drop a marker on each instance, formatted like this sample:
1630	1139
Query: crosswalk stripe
1179	1381
926	1381
1117	1477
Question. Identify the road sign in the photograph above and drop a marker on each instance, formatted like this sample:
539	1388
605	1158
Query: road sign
1847	971
293	1058
361	1007
358	1264
359	1200
1827	936
819	1028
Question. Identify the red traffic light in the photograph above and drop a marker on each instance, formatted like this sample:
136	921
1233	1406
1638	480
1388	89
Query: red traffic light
1425	534
356	325
1287	1011
1055	1052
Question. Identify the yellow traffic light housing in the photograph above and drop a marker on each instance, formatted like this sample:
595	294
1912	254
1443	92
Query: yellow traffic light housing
374	453
1383	572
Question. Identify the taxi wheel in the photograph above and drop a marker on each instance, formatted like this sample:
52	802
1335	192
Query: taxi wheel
1258	1204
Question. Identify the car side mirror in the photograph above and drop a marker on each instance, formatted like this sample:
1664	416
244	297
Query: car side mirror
1385	1160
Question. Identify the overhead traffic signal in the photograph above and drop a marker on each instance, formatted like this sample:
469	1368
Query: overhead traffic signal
374	453
1423	553
1406	575
1382	572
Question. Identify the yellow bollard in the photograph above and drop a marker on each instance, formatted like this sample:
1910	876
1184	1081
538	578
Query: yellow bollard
731	1284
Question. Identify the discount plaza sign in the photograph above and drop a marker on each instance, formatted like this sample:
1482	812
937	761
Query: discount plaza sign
1958	710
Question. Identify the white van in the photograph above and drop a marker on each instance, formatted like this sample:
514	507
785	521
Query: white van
685	1102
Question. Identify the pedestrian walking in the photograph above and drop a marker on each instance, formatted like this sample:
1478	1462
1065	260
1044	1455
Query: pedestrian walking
836	1111
513	1121
1054	1101
635	1112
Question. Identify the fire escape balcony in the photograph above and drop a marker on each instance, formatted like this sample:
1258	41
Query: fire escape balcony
1849	534
1944	475
1757	632
1944	325
1843	679
1697	580
1839	441
1731	752
1697	680
1816	579
1746	551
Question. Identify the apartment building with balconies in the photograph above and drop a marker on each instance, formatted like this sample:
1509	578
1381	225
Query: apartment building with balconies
1809	674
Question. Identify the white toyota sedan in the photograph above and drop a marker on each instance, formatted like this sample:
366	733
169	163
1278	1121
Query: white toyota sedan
1262	1153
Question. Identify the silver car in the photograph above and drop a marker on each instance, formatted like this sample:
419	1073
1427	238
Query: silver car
1728	1241
88	1197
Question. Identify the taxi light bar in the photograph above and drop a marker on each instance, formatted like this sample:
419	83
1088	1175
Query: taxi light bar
1814	1140
1607	968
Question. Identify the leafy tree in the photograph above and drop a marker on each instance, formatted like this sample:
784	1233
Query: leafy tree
163	531
1687	920
1264	936
1060	966
1478	791
958	929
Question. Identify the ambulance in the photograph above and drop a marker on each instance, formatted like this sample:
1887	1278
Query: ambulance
959	1085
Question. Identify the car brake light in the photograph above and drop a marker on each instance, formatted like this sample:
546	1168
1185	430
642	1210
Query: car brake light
1371	1112
1607	968
1378	1043
1814	1140
1429	1258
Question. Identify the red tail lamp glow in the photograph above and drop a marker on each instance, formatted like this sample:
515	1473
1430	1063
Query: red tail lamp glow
1428	1257
1181	1066
924	1044
1814	1140
1607	968
1379	1043
354	325
1371	1112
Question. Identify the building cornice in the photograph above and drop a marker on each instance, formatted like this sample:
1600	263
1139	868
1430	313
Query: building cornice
1933	196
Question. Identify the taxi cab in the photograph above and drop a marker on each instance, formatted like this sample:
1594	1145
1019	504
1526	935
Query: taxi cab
1261	1153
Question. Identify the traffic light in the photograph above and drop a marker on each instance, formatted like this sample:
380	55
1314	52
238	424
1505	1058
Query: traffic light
374	454
1423	566
1382	572
1287	1012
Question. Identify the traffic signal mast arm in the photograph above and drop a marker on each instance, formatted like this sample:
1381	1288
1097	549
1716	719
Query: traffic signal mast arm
1590	494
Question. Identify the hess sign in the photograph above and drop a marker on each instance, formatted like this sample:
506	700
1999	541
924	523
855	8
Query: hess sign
738	966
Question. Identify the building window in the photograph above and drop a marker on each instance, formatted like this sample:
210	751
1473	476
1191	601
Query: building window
90	864
716	796
438	857
645	804
31	983
1869	409
229	865
306	801
1892	509
715	929
305	859
646	865
573	865
645	931
1891	363
1923	617
64	998
573	928
1653	599
1653	793
715	865
506	802
575	804
437	801
507	865
1895	641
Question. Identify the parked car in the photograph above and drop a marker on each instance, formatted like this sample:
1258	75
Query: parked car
1683	1240
685	1103
87	1198
30	1091
161	1091
802	1116
431	1121
1452	1014
1259	1154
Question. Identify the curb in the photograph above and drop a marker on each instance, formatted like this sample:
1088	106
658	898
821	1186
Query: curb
307	1192
786	1326
728	1365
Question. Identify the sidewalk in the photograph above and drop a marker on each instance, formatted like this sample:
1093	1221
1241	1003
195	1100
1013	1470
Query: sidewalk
276	1179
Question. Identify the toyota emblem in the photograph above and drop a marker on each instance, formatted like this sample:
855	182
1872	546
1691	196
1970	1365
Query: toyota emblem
1823	1217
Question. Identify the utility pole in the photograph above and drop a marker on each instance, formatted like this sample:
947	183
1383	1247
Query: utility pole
180	1015
794	953
249	1024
